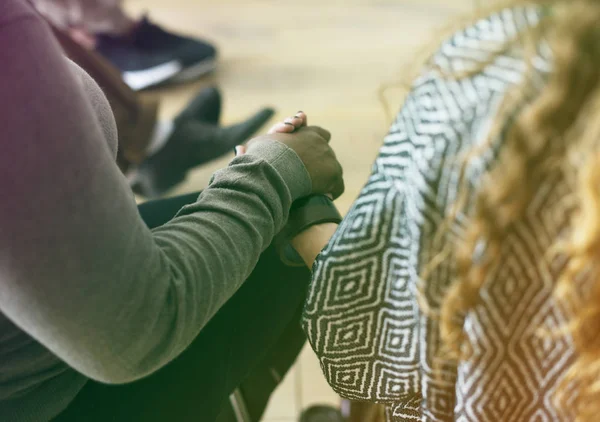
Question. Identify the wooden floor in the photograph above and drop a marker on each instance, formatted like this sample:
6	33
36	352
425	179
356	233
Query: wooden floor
327	58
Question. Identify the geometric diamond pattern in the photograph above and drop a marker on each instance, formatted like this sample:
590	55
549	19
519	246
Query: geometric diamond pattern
362	317
353	334
395	382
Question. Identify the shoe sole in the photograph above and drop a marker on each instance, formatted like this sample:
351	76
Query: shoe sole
141	79
195	71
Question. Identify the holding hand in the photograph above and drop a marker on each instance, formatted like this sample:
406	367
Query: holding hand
311	144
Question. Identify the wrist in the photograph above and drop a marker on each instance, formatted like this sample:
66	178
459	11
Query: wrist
313	217
310	242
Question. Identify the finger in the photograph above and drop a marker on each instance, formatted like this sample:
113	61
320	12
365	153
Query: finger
338	188
325	134
282	128
294	121
240	150
302	115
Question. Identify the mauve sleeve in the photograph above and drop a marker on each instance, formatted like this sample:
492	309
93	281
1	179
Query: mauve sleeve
79	270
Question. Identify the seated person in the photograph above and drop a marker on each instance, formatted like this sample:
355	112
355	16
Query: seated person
463	283
113	312
157	154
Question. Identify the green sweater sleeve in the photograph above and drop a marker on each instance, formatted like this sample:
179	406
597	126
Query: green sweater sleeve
80	272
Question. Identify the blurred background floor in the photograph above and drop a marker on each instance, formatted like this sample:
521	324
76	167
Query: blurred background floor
327	58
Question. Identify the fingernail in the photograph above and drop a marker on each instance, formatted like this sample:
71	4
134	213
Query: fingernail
289	124
237	150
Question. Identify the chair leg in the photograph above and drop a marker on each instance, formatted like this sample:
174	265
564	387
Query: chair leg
239	406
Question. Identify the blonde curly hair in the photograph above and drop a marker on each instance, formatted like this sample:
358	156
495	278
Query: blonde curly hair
555	135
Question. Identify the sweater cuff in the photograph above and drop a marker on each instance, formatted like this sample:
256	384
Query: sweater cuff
287	163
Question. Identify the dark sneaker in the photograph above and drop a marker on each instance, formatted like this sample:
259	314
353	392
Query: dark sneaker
205	107
191	144
149	55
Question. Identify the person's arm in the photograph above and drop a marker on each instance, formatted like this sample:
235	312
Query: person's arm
80	272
